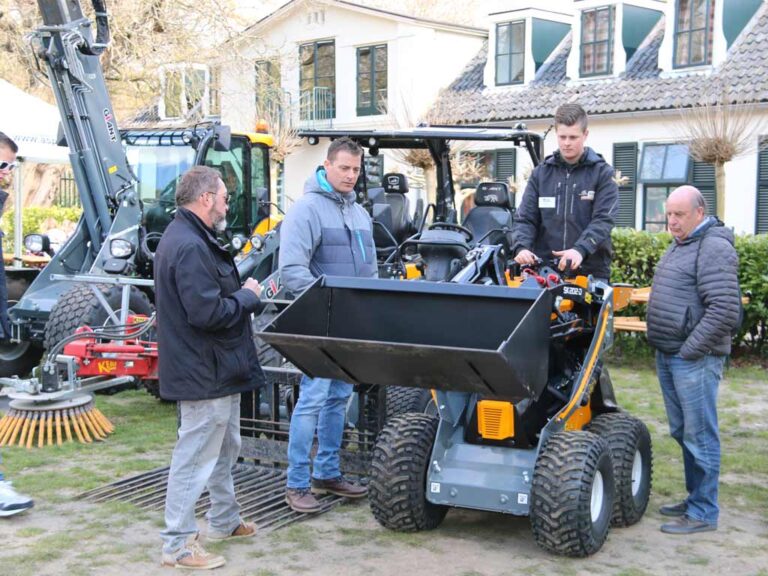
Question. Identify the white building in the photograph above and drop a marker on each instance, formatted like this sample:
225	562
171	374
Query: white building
342	65
633	65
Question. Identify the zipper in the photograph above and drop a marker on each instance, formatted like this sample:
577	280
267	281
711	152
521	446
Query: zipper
565	207
362	246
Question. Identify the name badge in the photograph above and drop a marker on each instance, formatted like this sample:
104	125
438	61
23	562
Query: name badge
547	201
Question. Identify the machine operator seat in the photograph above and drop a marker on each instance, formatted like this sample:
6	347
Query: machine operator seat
395	190
493	211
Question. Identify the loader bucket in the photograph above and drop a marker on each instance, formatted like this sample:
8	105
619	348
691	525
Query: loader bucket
488	339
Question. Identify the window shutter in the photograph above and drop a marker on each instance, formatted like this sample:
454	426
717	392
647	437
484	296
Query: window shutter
704	179
761	224
506	162
625	161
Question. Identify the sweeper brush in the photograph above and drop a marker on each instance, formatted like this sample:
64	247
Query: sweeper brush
37	425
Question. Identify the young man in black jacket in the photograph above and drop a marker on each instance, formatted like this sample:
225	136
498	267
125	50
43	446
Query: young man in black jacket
570	203
208	358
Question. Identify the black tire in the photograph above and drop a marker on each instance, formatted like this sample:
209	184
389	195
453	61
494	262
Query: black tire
402	400
153	387
632	454
572	494
79	307
18	358
397	490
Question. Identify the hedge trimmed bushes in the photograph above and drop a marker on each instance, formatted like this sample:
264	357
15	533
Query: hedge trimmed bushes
33	220
636	254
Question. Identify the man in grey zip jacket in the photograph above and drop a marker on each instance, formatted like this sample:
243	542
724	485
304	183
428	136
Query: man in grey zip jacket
325	233
694	306
570	203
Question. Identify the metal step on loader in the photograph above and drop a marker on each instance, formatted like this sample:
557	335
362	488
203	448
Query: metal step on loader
527	422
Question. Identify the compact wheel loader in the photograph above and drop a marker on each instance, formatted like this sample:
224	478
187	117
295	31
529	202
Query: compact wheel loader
527	422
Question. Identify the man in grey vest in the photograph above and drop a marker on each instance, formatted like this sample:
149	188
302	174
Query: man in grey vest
694	307
325	233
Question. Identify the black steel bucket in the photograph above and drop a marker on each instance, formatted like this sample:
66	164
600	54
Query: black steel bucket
488	339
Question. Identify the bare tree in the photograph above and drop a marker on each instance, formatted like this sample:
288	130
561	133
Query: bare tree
718	131
147	36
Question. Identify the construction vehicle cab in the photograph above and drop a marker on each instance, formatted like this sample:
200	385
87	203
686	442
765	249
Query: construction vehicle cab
126	182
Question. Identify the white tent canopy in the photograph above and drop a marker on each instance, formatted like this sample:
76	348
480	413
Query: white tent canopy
32	123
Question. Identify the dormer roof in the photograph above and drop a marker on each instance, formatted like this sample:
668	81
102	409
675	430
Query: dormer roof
641	87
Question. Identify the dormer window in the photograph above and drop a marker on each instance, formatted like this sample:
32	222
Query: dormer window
510	53
694	21
597	41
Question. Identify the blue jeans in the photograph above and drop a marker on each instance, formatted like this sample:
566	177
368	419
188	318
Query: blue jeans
322	405
690	397
207	448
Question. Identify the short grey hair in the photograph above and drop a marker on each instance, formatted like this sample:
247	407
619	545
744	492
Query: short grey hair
195	182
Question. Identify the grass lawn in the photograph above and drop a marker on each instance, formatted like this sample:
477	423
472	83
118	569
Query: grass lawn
64	532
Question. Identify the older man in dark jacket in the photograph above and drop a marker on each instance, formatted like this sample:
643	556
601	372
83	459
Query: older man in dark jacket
694	307
208	358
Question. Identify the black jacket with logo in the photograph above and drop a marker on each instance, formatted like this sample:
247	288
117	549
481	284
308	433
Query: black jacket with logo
569	206
203	316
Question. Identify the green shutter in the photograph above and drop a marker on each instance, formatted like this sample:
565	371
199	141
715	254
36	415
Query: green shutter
506	163
625	161
704	179
761	220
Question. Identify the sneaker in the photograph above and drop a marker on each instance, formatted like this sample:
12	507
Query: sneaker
301	500
686	525
193	557
11	502
243	530
339	486
677	509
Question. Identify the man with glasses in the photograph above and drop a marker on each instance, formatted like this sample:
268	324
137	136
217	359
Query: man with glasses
11	502
208	359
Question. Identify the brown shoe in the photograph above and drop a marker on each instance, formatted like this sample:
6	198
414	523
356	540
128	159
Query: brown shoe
193	557
243	530
301	500
339	486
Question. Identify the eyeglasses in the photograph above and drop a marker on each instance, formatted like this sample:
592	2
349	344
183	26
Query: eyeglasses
8	165
227	195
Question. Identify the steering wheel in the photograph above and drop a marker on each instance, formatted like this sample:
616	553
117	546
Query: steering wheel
453	228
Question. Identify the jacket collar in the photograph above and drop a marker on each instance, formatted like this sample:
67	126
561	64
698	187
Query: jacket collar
197	226
701	230
588	158
319	185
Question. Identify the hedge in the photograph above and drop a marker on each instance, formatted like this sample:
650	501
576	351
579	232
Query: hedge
636	254
33	219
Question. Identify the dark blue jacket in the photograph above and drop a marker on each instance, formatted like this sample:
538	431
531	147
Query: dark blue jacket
569	206
204	328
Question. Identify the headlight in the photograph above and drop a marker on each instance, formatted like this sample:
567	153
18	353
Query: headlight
238	241
121	248
37	242
257	241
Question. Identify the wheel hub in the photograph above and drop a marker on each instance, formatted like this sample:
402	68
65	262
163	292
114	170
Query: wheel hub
596	502
637	472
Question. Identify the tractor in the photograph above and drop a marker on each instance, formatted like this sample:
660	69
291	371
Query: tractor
525	419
